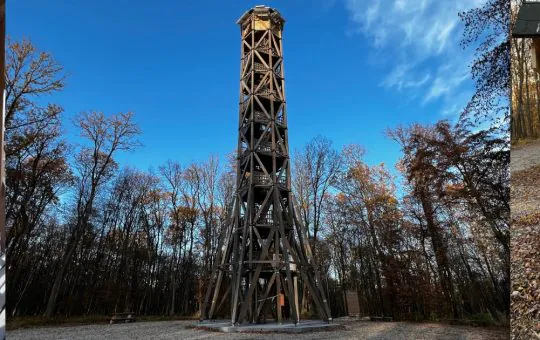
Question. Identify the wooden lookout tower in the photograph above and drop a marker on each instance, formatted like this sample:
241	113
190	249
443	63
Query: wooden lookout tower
264	252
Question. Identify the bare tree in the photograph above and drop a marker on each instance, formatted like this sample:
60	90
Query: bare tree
316	168
94	165
29	74
36	166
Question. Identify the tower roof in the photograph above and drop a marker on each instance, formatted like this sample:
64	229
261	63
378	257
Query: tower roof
261	10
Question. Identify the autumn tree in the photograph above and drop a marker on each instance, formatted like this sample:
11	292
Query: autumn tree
368	194
458	181
423	173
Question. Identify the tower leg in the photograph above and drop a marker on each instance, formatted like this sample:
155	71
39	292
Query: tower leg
278	300
297	314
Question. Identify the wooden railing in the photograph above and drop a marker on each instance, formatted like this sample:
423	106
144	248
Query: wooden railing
266	219
265	91
260	67
265	146
263	45
261	116
261	178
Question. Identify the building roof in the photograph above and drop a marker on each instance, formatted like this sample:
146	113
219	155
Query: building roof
528	21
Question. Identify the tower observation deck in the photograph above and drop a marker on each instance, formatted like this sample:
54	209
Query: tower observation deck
264	252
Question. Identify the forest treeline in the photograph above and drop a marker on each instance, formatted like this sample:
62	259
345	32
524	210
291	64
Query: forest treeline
88	236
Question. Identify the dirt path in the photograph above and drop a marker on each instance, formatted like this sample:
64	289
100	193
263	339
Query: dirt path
525	156
177	330
525	241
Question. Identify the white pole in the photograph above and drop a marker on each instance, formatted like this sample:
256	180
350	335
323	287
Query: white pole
2	174
2	223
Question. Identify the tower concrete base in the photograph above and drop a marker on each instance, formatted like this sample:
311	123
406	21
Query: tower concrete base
303	326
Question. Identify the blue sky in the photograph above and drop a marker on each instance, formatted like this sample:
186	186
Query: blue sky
352	68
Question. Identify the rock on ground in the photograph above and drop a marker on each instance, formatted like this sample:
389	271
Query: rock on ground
177	330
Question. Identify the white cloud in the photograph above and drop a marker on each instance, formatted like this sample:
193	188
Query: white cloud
444	86
447	82
399	78
417	83
422	36
452	110
372	14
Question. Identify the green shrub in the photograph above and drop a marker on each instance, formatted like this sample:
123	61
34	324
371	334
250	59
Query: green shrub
482	319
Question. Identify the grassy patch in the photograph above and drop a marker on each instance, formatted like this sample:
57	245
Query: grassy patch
523	141
482	319
41	321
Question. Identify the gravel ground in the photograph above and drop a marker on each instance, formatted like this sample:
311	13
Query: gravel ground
177	330
525	156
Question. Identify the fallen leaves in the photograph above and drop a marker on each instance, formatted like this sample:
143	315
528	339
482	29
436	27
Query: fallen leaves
525	246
